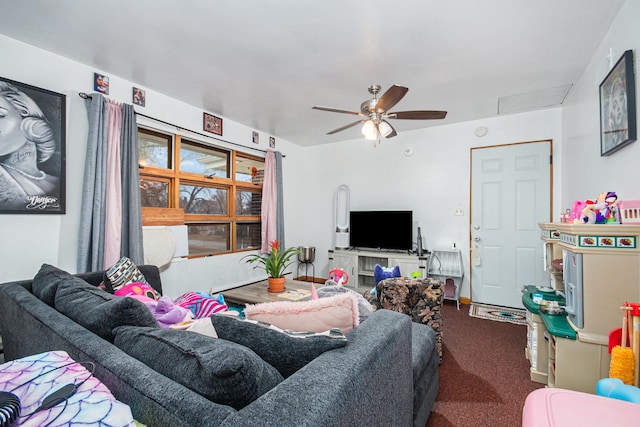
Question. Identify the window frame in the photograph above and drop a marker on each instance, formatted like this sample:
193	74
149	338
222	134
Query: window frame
176	178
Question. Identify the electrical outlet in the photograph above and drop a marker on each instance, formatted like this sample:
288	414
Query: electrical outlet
459	212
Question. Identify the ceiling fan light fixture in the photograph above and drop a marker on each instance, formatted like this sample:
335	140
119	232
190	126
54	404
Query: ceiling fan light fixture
385	128
369	130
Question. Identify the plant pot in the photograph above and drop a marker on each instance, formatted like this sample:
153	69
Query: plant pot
276	284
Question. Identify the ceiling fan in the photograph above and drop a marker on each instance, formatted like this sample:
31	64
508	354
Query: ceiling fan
375	112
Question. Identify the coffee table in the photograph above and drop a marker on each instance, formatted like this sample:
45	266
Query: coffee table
256	293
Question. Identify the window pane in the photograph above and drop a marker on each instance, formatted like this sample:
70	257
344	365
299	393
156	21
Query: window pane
154	194
154	149
207	239
249	170
248	202
248	235
203	160
203	200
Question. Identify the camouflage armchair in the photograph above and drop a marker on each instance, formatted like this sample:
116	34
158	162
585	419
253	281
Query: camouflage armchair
420	298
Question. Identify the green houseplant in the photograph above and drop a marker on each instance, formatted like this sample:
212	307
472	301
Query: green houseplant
274	263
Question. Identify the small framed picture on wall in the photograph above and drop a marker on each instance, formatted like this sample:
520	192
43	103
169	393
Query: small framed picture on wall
212	124
101	83
272	142
139	97
255	137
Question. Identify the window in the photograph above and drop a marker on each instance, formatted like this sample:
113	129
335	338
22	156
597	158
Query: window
219	190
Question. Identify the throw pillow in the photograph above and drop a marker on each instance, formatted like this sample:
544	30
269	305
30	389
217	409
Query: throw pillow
46	282
99	311
287	351
364	307
122	273
222	371
137	288
340	311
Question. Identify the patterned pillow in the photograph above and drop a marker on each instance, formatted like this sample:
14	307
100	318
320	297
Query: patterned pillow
137	288
122	273
285	350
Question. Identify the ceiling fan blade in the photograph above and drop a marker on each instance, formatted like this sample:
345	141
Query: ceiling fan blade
418	115
336	110
391	97
344	127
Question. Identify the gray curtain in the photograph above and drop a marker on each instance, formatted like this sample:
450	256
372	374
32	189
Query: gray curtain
92	211
131	243
280	203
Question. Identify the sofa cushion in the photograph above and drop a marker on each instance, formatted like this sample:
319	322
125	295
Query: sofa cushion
122	273
285	350
340	311
222	371
99	311
46	282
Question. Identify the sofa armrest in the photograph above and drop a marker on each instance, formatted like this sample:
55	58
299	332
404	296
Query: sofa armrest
367	382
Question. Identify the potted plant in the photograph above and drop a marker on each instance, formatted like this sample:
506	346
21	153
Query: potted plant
274	264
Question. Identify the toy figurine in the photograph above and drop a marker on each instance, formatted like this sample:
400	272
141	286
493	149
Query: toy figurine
603	210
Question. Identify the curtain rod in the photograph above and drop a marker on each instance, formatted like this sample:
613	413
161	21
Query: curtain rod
84	95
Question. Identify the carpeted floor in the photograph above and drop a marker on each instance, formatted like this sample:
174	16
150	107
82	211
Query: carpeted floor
484	375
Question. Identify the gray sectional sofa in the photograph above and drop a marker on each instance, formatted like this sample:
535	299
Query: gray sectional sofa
386	374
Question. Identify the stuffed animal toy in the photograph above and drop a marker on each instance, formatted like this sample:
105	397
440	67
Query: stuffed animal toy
576	212
602	210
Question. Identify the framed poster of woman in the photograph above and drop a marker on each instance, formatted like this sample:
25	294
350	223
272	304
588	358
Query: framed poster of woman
618	106
32	149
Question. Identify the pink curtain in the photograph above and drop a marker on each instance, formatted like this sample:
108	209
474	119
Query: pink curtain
269	202
113	196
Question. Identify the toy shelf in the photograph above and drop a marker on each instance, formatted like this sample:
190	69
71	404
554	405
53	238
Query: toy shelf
446	266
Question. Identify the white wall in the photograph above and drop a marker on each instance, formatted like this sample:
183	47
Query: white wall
586	174
432	182
31	240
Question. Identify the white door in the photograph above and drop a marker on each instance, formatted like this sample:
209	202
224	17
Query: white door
510	195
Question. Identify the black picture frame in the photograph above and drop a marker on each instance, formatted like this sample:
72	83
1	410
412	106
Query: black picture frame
32	174
618	106
212	124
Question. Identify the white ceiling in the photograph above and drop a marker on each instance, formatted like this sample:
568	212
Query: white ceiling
265	63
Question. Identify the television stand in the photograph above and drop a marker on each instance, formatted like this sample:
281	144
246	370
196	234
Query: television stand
360	263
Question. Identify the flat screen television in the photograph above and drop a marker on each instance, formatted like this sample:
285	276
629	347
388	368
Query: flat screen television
381	230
